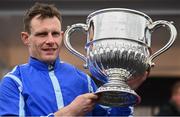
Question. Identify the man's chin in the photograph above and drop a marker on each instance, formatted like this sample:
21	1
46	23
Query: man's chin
49	59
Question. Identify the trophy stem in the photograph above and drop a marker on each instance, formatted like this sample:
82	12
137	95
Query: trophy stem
116	80
117	93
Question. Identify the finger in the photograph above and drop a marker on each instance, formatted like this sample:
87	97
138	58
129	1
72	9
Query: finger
91	101
91	96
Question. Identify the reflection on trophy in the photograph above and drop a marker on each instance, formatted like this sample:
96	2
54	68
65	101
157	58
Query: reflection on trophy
118	48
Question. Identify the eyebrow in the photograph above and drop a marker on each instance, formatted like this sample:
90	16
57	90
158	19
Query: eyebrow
46	32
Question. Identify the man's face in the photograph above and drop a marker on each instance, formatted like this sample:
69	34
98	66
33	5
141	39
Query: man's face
45	39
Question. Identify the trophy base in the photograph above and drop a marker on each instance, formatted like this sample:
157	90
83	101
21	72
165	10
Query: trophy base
117	96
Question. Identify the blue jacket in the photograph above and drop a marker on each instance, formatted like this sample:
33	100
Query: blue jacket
39	89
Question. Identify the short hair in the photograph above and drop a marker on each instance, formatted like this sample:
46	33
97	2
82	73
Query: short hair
42	9
175	88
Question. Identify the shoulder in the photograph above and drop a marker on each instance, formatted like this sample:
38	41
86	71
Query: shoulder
17	69
11	81
71	68
65	65
14	72
14	75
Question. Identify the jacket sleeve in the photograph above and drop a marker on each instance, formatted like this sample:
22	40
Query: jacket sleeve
9	97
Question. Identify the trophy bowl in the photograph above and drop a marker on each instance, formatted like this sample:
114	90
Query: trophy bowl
118	49
117	60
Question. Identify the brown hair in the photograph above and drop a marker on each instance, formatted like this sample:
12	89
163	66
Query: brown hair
44	10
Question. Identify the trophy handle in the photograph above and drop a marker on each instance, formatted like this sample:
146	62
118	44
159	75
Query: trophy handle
173	34
67	40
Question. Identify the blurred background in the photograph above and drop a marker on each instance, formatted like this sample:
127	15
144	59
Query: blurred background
155	91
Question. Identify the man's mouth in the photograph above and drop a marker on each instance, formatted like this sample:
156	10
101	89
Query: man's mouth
49	50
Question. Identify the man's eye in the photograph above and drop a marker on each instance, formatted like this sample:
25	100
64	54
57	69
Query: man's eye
56	34
41	34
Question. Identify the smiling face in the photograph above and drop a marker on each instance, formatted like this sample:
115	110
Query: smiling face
45	38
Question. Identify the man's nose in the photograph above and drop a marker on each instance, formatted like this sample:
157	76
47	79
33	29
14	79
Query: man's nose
50	38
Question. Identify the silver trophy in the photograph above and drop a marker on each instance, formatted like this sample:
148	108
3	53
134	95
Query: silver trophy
118	47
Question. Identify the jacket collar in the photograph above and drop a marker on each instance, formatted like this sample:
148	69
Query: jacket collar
40	65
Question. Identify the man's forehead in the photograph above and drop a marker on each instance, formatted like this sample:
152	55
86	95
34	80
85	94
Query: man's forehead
38	18
43	29
41	24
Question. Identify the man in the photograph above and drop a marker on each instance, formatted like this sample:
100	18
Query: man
172	108
45	85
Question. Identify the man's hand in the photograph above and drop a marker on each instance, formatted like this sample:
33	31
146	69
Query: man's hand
135	82
80	106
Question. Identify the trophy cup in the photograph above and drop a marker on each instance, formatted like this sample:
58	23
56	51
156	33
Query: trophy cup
118	47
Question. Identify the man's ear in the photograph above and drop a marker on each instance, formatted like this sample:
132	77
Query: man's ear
62	37
25	38
62	33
